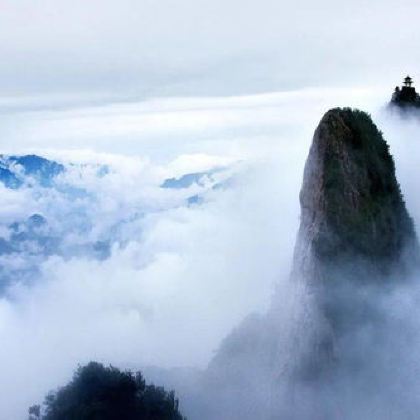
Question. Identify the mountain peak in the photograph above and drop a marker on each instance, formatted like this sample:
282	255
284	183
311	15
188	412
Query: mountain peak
355	240
352	208
406	96
356	243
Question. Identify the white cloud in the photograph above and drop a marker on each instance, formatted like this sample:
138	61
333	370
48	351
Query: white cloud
179	277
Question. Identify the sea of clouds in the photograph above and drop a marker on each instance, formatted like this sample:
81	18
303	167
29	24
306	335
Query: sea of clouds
173	219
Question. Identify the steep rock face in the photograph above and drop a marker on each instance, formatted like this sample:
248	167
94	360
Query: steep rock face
352	211
355	235
356	242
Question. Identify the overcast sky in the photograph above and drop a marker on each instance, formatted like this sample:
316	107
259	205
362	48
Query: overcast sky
184	47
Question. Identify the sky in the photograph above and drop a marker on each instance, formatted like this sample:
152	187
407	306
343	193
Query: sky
134	49
156	90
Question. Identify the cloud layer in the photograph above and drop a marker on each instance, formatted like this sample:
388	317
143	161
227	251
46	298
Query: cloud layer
179	274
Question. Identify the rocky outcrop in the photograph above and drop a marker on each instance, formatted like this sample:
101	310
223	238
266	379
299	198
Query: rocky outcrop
355	242
352	211
405	97
355	233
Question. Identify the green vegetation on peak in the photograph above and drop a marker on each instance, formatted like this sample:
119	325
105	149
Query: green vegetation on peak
351	192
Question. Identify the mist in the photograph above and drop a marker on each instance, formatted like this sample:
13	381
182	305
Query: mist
183	129
221	260
374	360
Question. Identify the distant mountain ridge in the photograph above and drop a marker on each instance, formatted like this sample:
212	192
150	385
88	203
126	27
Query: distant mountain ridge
56	208
15	170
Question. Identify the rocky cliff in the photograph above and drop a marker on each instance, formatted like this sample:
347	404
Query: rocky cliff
356	241
355	234
352	212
